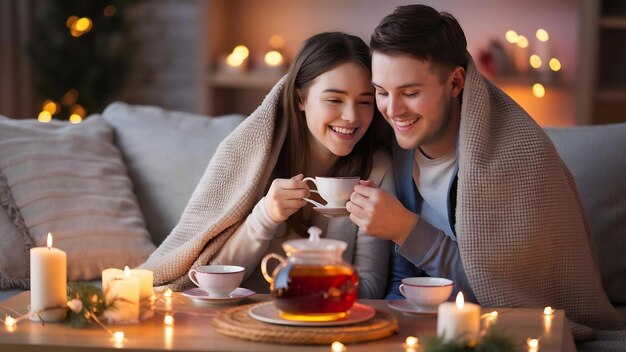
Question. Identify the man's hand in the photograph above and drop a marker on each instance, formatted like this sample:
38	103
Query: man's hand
380	213
285	197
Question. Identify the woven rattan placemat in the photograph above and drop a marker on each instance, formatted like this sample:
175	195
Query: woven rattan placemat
236	322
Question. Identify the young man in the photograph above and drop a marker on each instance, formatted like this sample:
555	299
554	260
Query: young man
483	197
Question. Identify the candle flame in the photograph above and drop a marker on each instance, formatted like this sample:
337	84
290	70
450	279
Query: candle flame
532	343
118	336
127	271
460	301
9	321
337	347
548	311
168	319
411	342
49	241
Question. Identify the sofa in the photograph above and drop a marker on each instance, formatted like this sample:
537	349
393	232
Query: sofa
112	187
158	156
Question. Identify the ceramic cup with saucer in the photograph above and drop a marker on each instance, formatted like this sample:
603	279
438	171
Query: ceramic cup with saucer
336	191
217	280
426	292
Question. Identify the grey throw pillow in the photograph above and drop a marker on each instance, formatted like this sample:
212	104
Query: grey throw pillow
70	180
595	156
15	242
166	153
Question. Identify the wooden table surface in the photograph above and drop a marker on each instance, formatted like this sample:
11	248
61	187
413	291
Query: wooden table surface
192	331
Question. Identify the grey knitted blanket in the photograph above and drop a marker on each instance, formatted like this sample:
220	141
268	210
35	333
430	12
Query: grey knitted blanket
230	187
524	238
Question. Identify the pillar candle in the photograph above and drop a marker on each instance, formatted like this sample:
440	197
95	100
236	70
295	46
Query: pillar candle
458	320
124	290
145	277
48	282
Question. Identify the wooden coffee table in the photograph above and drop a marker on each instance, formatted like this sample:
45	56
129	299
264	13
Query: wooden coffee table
192	331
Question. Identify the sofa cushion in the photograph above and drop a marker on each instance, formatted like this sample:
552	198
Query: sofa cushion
595	156
14	257
70	180
166	154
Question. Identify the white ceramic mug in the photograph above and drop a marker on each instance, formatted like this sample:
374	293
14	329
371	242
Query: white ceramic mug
426	291
336	191
217	280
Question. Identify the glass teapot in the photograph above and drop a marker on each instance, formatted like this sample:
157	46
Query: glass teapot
313	283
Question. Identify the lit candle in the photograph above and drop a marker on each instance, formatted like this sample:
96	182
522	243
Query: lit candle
411	342
145	278
9	323
118	339
168	319
548	311
533	344
48	283
125	289
458	320
337	347
548	314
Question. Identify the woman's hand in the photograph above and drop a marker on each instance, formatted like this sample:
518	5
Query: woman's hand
285	197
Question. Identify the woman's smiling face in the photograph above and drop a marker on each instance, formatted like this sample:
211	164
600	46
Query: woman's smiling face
339	107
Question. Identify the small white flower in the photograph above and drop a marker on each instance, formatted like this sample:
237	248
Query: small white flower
75	305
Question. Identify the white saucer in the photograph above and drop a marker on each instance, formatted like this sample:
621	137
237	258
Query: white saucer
405	306
201	295
332	212
268	313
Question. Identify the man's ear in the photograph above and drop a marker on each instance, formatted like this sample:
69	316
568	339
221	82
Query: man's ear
457	81
300	100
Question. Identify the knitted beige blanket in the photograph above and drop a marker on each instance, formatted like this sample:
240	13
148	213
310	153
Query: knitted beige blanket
525	240
230	187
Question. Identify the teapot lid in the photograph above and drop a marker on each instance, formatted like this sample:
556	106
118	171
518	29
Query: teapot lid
314	243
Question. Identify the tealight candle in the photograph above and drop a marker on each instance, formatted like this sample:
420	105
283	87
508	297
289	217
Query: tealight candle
458	320
48	283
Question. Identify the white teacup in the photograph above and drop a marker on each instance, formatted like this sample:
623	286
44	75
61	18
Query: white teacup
217	280
426	291
336	191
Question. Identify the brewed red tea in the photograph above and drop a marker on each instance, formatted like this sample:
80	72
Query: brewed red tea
315	293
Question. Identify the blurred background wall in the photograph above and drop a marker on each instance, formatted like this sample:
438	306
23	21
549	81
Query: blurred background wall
176	51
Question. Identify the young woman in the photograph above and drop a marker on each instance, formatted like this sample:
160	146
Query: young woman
328	100
314	122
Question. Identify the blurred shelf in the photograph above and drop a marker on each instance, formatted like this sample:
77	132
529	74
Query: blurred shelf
613	22
611	94
244	80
